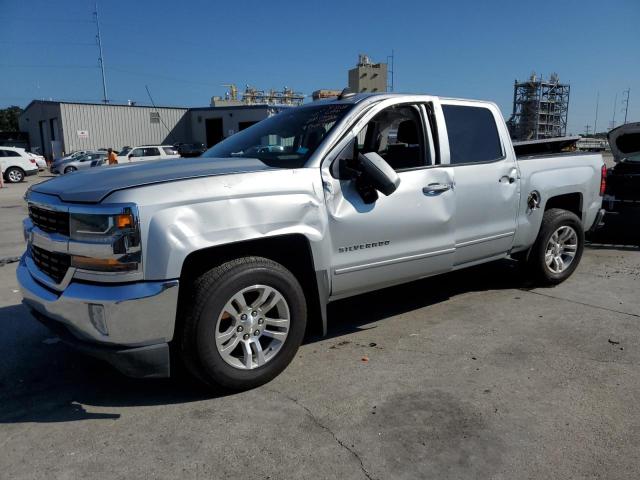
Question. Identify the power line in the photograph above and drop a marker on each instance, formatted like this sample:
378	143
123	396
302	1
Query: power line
16	65
43	20
165	77
13	42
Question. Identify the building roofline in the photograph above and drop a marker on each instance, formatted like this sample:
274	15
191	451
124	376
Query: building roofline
241	107
61	102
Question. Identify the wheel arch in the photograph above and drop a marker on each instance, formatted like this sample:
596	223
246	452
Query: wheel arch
293	251
572	202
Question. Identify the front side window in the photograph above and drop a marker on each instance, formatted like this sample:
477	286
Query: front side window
473	134
396	134
285	140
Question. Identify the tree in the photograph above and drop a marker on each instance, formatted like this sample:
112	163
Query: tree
9	119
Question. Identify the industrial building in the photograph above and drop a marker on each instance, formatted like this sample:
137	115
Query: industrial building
55	128
368	77
253	96
540	109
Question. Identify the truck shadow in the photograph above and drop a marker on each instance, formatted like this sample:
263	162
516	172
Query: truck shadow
354	314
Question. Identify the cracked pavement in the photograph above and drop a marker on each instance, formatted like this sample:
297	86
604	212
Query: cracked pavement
474	374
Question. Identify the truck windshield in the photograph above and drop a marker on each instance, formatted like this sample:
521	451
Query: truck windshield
285	140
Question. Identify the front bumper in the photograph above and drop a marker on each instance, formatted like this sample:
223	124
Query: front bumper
128	325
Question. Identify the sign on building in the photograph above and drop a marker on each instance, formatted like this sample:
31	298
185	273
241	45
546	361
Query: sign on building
83	133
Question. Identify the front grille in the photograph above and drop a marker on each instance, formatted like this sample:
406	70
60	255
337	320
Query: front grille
53	264
50	221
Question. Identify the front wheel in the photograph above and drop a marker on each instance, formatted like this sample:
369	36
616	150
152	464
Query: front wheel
244	324
14	175
70	170
558	248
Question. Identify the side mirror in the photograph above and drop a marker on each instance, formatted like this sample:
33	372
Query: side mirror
378	173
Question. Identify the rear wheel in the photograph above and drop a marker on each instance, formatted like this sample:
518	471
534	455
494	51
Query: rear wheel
70	170
244	324
558	248
14	175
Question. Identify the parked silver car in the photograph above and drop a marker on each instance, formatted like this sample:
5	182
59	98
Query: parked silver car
80	162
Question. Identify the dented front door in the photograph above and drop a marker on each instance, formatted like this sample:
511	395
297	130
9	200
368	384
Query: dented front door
404	236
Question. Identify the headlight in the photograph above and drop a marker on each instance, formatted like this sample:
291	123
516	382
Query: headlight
93	227
105	242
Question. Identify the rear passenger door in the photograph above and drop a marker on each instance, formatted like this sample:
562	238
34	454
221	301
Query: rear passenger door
486	180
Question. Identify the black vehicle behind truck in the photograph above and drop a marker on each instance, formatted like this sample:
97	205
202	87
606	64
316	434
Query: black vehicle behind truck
188	150
622	199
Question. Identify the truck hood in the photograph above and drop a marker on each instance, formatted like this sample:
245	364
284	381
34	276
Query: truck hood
93	185
625	141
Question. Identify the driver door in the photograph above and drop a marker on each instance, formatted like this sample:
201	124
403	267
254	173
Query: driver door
402	237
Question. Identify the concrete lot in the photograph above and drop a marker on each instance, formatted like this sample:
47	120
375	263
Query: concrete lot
470	375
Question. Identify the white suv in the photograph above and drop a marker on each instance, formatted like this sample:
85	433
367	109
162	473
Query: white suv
16	164
150	152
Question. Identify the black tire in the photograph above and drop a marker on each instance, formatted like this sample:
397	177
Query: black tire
208	296
70	170
16	172
552	220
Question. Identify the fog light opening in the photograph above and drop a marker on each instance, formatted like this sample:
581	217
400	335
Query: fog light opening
98	318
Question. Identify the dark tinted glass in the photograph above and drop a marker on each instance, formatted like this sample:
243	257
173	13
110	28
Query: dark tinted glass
473	135
149	152
11	153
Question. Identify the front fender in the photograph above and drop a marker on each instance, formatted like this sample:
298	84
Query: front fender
182	217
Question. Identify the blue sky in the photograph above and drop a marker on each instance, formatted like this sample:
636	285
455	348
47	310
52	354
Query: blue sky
185	50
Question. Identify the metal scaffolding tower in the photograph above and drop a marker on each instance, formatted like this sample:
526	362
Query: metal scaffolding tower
540	108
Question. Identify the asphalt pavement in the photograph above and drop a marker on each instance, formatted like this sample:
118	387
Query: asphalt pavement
471	375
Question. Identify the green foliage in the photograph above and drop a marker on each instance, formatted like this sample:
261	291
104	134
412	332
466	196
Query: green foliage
9	119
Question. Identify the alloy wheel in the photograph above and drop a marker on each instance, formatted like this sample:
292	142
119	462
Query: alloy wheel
252	327
561	249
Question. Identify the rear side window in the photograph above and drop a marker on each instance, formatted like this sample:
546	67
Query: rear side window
473	135
170	150
11	153
150	152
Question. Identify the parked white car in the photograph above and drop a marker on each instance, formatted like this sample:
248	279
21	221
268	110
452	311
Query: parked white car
40	160
16	164
150	152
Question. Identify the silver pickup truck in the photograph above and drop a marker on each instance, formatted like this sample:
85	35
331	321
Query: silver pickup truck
222	262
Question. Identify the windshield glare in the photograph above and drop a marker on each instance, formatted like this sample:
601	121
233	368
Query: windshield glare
285	140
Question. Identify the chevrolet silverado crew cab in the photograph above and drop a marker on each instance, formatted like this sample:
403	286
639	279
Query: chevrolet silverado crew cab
222	261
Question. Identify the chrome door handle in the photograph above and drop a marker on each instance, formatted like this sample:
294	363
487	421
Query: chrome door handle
507	178
436	188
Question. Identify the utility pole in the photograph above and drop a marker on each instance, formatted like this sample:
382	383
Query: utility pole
586	130
615	107
101	57
625	100
595	123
